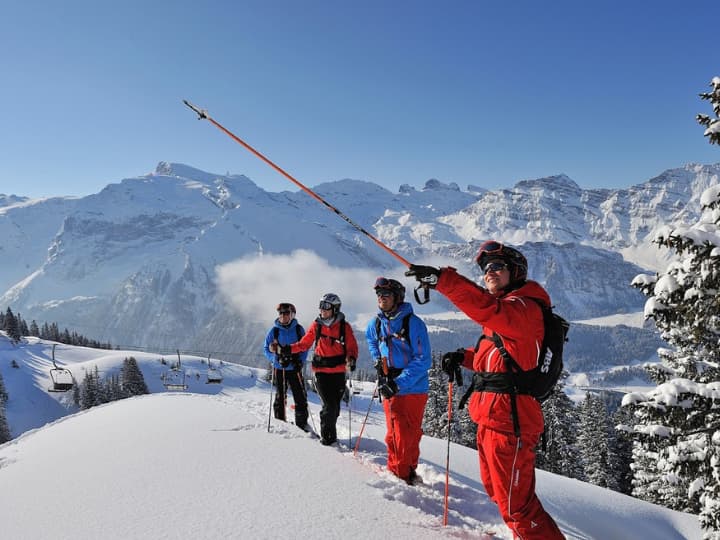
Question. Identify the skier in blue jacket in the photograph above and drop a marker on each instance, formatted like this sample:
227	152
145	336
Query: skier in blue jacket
399	343
287	368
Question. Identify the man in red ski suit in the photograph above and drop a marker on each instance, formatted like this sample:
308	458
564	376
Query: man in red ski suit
336	350
506	442
399	344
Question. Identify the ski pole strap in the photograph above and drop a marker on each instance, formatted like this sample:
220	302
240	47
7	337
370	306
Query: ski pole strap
426	297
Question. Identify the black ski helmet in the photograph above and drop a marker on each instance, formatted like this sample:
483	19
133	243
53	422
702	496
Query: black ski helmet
392	285
331	301
516	261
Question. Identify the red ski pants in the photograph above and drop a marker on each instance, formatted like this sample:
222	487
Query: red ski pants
507	469
403	417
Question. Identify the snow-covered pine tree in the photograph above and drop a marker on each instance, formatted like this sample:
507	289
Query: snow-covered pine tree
593	439
113	389
131	378
621	452
435	417
559	454
90	390
712	125
10	325
3	391
5	435
677	425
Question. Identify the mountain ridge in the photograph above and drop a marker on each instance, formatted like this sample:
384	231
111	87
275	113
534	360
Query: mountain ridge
137	262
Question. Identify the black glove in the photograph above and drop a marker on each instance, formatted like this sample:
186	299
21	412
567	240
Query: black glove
297	363
378	365
352	363
387	387
451	363
426	275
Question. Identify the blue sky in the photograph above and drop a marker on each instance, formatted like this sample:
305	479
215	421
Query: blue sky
393	92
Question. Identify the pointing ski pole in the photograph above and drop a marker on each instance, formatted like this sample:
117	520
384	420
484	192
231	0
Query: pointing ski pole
203	115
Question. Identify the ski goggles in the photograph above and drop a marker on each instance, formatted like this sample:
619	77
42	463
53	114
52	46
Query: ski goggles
382	283
494	267
488	248
285	312
326	305
384	287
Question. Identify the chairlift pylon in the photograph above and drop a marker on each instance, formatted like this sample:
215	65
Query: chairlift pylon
214	375
62	378
174	378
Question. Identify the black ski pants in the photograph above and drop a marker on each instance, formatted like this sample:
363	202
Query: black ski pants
330	387
291	378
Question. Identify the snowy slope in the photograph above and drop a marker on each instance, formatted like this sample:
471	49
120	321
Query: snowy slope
202	464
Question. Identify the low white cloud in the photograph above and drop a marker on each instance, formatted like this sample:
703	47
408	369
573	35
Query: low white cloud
254	285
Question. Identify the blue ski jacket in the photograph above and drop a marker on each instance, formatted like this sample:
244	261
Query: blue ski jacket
287	335
410	353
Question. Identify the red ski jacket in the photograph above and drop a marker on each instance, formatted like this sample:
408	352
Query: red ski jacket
329	345
519	322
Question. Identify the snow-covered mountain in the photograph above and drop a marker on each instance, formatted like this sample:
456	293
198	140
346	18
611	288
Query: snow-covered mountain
144	261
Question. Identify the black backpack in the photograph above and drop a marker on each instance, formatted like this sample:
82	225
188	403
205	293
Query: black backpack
540	381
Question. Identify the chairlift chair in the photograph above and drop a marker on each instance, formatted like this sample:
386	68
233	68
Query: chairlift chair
62	378
174	378
214	375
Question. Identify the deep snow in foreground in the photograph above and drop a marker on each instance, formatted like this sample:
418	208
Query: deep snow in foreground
202	464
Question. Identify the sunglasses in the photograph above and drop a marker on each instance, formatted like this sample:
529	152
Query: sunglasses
326	305
284	312
384	293
494	267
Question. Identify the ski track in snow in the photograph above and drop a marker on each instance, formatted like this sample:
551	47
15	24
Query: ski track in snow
427	497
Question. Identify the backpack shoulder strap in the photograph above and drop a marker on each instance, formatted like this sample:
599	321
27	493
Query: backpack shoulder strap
299	330
406	327
318	332
404	331
340	339
276	333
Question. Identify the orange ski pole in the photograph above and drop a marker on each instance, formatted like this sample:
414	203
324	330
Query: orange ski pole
203	115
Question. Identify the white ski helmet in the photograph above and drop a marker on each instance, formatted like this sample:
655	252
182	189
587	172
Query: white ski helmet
331	301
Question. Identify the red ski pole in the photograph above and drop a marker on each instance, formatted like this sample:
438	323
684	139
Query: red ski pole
447	457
